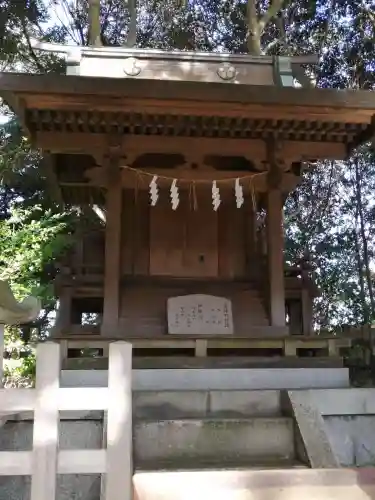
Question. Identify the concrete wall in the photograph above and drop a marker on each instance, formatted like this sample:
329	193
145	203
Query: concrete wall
74	434
352	439
349	420
349	416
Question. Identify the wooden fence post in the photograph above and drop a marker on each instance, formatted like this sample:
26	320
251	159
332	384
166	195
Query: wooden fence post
118	481
46	423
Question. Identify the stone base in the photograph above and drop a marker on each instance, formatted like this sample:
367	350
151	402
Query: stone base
153	362
196	443
216	379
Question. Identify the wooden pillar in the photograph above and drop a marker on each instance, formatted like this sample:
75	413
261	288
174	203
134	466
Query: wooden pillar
275	246
295	317
64	313
112	273
307	312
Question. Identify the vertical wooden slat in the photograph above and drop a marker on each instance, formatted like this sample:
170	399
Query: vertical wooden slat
307	313
275	247
46	423
142	234
232	247
118	481
128	229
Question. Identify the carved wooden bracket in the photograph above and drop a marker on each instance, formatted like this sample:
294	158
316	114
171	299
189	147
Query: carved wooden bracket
276	163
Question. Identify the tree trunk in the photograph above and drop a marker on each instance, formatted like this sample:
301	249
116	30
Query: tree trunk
132	32
365	312
257	24
94	23
253	34
366	259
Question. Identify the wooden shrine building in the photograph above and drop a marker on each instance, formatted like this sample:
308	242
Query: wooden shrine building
190	158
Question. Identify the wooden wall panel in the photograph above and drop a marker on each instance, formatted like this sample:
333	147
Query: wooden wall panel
201	254
144	307
232	239
183	242
167	235
236	240
90	251
202	243
135	234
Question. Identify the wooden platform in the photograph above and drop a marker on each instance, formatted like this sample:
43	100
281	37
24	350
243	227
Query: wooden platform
203	347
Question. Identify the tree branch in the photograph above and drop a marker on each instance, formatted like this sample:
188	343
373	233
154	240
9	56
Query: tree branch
31	50
272	11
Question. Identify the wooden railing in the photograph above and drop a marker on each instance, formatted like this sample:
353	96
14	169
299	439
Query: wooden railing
45	461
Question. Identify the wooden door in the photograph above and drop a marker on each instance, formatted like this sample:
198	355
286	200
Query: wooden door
184	242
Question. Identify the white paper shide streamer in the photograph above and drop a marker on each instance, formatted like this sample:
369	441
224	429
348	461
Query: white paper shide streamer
216	200
175	198
238	190
154	191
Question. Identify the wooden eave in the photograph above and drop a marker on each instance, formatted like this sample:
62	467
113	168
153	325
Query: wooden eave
60	104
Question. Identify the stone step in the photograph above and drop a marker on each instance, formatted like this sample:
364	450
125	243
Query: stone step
182	465
168	405
220	441
294	484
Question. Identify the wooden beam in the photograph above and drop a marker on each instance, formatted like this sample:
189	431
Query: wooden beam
111	305
274	108
185	178
61	85
135	145
48	166
18	106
